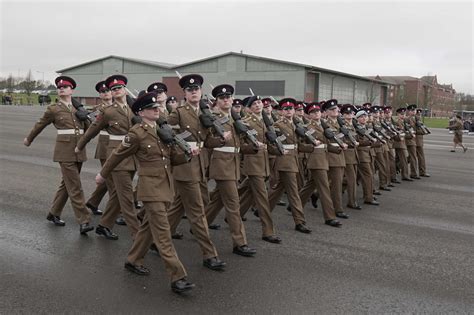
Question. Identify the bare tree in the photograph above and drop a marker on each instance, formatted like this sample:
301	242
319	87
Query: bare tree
29	84
10	84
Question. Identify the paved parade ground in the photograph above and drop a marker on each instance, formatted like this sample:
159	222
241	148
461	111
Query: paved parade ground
413	254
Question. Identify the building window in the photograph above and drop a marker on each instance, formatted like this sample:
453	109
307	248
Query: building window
274	88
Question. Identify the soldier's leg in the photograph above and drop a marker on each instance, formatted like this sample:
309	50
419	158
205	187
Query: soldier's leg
124	186
322	185
351	176
60	199
404	163
260	198
112	209
366	177
230	199
413	160
214	206
176	211
380	162
393	164
335	175
290	183
420	154
72	181
246	196
193	204
98	193
275	193
307	189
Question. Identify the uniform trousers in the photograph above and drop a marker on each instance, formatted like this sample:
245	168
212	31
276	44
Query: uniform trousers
288	182
413	160
390	160
381	167
420	154
155	229
254	192
351	177
121	200
366	177
99	192
402	157
191	198
71	187
336	175
319	180
226	195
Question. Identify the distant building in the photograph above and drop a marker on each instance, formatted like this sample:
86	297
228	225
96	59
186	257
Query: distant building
266	77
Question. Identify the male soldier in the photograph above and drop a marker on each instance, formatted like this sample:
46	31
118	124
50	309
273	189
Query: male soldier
303	174
390	155
420	153
350	156
160	89
336	159
190	179
365	161
257	168
380	160
155	189
318	166
410	138
224	168
171	103
237	106
400	145
101	150
287	166
70	123
116	119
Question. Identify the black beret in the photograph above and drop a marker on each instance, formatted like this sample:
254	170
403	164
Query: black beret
101	86
249	100
171	99
347	109
401	110
411	107
147	100
158	87
237	102
223	89
191	80
330	104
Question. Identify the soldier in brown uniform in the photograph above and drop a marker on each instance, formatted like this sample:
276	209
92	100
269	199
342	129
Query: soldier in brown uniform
457	127
155	190
421	131
390	155
287	165
224	168
70	123
380	152
101	150
256	166
190	179
160	90
350	156
171	103
400	145
410	139
318	166
116	119
365	161
302	157
336	159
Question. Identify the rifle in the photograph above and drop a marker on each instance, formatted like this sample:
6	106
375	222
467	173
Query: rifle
208	120
83	114
328	133
241	128
362	131
346	132
379	130
422	126
374	134
390	128
302	132
168	136
271	134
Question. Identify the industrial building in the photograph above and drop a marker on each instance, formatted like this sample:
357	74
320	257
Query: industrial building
266	77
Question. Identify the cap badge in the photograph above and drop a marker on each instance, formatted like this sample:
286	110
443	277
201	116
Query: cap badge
155	87
153	99
191	81
224	90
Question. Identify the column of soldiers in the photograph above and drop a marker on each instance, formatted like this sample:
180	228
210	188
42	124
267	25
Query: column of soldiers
252	150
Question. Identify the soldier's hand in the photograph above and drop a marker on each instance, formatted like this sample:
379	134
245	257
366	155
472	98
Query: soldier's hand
344	146
227	135
317	143
285	151
26	142
76	150
99	179
195	151
261	146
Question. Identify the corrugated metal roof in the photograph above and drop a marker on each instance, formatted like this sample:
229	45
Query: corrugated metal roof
148	62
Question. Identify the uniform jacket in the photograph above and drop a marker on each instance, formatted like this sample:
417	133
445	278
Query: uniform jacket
63	119
350	155
155	182
318	159
185	118
103	142
363	150
410	139
289	162
400	140
335	157
117	122
224	165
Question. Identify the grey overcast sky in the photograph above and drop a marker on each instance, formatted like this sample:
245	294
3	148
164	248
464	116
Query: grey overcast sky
363	38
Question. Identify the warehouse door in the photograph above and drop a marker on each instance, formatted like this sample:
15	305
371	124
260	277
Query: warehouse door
173	87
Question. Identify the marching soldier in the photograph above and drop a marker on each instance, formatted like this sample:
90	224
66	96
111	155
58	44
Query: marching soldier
116	119
224	168
318	165
400	145
365	161
70	124
457	126
171	103
380	158
350	157
287	166
155	190
420	152
190	179
336	159
410	139
160	89
390	155
303	174
101	150
256	166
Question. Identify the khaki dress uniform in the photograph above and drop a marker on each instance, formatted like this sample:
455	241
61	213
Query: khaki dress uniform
287	167
365	169
350	171
224	168
318	167
69	130
337	164
457	127
401	150
190	179
410	139
380	159
256	166
390	156
420	152
116	120
154	189
101	155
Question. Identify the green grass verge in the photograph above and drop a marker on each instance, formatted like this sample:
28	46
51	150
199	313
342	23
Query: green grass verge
23	99
436	122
